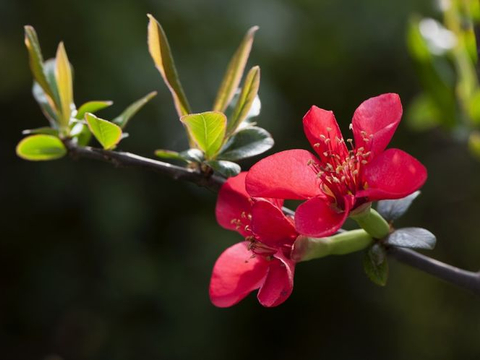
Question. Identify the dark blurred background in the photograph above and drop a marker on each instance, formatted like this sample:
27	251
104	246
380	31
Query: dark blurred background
105	263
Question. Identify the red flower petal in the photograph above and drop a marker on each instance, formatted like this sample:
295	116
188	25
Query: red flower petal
284	175
376	120
317	217
232	201
271	226
278	284
235	275
323	133
393	175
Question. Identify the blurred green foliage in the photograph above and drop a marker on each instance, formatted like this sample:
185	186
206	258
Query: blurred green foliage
105	263
445	55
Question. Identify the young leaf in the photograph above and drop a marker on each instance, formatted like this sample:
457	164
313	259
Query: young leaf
41	148
246	143
234	72
130	111
393	209
107	133
375	265
43	130
245	100
50	68
162	57
80	133
207	130
188	156
225	168
92	107
36	59
63	76
414	238
46	105
169	154
193	155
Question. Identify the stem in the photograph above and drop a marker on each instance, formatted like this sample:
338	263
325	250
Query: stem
125	159
306	248
372	222
464	279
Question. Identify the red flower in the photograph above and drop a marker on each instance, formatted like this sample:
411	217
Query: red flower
262	261
340	180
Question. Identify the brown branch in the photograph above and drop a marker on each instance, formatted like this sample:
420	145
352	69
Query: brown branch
462	278
125	159
465	279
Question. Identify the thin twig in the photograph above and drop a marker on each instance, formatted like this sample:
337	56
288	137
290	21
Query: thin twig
465	279
462	278
125	159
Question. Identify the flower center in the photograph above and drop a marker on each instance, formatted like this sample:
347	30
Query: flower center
257	247
340	171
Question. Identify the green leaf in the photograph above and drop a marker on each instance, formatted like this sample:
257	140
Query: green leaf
63	76
108	134
41	148
170	155
193	155
247	97
207	130
43	130
234	72
414	238
92	107
45	104
225	168
81	133
130	111
246	143
50	68
36	59
375	264
393	209
162	57
188	156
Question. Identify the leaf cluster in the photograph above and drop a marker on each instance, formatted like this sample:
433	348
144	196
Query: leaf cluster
225	134
53	91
